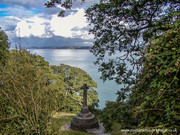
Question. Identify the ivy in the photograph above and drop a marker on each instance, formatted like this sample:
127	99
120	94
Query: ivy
162	72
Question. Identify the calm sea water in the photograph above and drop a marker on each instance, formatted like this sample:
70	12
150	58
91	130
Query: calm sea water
82	59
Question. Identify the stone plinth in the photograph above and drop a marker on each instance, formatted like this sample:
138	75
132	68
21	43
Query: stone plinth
99	131
84	120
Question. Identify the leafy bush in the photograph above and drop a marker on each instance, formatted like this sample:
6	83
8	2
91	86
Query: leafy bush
118	112
4	45
26	103
154	101
31	91
156	96
72	79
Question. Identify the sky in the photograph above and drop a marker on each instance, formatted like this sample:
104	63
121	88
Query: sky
34	25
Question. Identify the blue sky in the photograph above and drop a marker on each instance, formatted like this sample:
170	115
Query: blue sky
40	26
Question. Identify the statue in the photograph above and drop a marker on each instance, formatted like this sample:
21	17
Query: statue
85	88
84	119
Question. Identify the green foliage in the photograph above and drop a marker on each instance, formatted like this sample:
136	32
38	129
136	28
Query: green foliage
60	119
57	122
67	4
26	103
157	93
71	81
144	35
154	100
4	45
124	27
118	112
31	90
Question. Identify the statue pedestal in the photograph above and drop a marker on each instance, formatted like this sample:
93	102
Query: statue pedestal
84	120
99	131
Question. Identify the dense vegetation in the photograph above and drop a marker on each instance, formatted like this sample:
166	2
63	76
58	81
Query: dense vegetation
71	79
31	90
154	101
156	95
145	35
4	45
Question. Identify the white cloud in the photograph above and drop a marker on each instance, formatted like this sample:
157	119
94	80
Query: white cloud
71	26
13	18
34	26
39	25
64	26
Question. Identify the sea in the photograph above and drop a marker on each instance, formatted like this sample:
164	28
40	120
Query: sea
84	59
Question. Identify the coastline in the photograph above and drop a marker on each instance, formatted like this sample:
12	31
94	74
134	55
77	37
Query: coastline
64	47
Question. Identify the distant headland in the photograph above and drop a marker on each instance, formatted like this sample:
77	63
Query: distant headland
63	47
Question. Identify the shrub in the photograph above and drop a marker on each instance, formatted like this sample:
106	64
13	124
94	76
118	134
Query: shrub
26	102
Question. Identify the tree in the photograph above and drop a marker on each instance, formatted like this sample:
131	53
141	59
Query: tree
67	4
26	101
124	27
4	45
72	79
31	90
153	102
155	96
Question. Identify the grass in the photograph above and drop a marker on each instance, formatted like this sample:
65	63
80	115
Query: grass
58	120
